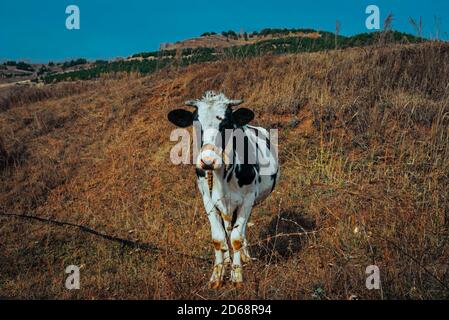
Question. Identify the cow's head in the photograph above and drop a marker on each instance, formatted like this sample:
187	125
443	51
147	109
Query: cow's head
213	114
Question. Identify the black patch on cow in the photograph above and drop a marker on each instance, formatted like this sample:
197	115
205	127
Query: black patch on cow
200	173
268	143
246	149
245	174
234	217
260	179
195	120
230	174
257	149
227	122
224	124
273	178
202	140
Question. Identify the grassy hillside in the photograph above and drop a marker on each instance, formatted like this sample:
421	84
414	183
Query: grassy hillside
149	62
364	149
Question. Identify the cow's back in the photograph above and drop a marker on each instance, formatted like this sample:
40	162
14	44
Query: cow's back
267	161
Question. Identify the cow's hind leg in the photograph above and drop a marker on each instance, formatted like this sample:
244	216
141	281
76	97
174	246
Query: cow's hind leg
238	239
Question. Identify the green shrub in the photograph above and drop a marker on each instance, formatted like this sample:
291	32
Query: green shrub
24	66
73	63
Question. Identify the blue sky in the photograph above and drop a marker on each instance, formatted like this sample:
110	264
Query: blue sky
35	30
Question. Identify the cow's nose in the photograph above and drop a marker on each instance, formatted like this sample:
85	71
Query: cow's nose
207	163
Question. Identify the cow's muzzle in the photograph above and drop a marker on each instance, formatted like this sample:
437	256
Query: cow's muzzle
207	163
210	157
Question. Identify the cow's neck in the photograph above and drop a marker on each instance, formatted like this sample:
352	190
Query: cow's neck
215	179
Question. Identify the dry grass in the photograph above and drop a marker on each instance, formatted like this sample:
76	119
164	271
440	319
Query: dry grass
20	95
364	151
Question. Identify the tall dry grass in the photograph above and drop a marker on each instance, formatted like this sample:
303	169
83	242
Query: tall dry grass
364	154
20	95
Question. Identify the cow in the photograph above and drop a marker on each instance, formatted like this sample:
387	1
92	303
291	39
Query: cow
229	183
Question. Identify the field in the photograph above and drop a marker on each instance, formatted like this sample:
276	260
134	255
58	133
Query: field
364	149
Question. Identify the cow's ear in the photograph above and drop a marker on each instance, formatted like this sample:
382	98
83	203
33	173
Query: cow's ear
242	116
181	118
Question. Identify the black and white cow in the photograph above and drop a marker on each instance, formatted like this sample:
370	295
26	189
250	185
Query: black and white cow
236	183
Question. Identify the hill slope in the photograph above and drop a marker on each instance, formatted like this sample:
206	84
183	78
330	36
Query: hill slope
231	38
199	51
364	152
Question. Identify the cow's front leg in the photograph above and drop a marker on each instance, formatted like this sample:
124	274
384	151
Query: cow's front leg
227	219
238	240
220	247
244	252
218	235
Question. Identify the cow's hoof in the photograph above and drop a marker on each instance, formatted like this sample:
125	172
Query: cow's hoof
246	258
236	276
216	280
227	258
216	284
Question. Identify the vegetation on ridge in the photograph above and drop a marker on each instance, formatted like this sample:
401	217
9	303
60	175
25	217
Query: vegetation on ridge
160	59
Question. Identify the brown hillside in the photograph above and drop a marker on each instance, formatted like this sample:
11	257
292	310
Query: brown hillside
218	40
364	153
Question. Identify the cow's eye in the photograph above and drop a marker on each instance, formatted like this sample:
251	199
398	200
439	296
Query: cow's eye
219	118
